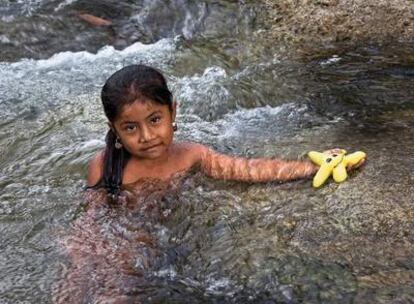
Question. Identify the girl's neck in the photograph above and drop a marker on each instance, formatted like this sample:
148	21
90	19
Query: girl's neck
138	168
149	163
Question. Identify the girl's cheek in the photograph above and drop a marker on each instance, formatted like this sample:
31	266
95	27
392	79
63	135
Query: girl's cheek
129	144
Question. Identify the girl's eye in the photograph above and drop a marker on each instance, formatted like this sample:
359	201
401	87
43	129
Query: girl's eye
155	119
130	128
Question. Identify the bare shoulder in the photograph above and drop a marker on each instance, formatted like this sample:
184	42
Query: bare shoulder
95	168
192	152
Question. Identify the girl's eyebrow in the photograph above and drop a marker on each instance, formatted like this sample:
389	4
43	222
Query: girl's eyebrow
153	113
134	122
128	122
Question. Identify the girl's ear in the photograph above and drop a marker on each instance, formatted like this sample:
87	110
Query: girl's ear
111	126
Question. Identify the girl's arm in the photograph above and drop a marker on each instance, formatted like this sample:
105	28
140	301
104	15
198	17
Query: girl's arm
222	166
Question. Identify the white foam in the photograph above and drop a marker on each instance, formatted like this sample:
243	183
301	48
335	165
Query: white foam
332	60
257	112
166	273
77	58
207	89
214	73
217	286
64	4
93	143
4	39
231	122
8	19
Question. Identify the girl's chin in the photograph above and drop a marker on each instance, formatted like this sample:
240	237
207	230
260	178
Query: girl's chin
151	154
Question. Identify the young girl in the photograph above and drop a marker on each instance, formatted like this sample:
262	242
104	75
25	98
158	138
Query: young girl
113	249
139	144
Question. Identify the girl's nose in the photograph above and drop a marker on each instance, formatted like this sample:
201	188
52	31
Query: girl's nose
146	134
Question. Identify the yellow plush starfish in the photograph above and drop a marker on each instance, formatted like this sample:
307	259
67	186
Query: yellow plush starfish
335	163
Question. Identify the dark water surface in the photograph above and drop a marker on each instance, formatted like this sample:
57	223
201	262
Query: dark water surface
204	241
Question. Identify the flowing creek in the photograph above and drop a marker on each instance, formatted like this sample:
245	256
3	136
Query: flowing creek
222	242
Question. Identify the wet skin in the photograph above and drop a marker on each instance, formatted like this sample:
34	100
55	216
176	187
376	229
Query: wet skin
145	130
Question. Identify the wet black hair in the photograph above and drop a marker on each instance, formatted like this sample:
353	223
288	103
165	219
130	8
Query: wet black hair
129	84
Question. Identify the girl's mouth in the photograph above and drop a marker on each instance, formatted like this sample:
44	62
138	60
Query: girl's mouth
150	148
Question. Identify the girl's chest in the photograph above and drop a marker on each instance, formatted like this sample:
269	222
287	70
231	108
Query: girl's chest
135	171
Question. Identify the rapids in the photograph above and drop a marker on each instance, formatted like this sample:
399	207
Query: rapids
209	241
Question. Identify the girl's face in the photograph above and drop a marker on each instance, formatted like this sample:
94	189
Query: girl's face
145	128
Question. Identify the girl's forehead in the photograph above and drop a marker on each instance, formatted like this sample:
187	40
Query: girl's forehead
140	109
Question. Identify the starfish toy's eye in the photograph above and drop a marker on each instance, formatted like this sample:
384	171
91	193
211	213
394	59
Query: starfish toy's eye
335	155
328	160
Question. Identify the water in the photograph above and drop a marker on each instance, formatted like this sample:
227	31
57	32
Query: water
208	241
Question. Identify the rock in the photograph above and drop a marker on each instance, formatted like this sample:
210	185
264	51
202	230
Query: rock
309	25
